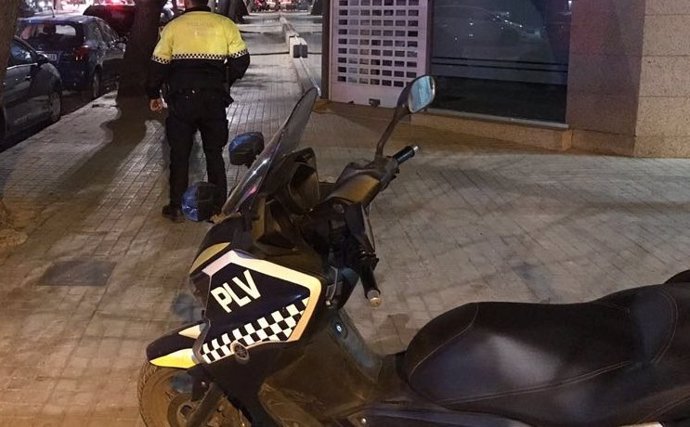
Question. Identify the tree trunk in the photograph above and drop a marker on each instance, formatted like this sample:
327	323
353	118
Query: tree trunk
8	22
140	46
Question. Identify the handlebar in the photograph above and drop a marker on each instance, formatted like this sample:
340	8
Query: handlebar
405	154
388	166
371	289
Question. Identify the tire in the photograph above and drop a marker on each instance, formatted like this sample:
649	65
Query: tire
682	277
55	102
165	400
95	88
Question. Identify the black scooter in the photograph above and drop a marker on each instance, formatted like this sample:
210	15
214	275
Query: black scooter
275	348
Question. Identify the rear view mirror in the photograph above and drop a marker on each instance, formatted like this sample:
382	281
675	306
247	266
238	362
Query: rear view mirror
415	97
245	148
422	93
201	201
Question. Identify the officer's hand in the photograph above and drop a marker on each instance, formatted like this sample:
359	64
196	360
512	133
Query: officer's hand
156	105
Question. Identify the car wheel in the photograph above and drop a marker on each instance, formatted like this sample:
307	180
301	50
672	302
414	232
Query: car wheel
95	88
55	106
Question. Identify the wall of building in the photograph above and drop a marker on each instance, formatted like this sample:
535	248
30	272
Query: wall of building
663	118
629	77
604	73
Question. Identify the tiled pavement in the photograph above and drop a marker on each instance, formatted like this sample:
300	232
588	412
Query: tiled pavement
466	220
89	190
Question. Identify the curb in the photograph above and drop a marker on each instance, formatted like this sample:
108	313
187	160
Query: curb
299	51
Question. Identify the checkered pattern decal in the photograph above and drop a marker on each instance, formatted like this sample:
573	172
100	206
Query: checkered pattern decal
206	56
238	54
199	56
276	327
160	60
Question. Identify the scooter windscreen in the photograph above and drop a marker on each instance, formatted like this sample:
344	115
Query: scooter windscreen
284	142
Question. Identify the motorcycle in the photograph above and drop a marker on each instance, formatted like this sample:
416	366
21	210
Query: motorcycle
275	347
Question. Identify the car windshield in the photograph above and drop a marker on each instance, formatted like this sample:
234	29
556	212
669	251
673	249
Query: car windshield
50	35
284	142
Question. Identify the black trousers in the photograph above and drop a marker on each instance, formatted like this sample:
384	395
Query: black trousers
192	110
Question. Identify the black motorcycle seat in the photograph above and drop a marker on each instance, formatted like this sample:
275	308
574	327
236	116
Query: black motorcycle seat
623	359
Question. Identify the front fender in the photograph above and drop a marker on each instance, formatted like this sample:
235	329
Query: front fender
174	350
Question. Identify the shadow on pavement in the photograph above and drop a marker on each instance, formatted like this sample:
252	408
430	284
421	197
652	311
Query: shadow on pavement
130	124
124	133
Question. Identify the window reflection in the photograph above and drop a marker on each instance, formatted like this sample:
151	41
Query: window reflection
519	45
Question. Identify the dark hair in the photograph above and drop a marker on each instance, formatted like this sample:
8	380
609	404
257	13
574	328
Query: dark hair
198	3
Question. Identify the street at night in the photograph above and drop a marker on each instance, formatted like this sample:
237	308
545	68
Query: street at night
338	285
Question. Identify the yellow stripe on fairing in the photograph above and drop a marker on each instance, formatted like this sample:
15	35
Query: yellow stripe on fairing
207	254
182	359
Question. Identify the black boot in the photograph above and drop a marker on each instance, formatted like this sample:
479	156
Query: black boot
173	213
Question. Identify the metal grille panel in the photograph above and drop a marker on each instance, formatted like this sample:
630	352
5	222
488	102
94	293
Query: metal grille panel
377	46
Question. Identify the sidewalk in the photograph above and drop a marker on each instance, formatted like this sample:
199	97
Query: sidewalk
102	273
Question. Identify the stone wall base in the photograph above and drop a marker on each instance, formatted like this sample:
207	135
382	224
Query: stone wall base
559	138
524	133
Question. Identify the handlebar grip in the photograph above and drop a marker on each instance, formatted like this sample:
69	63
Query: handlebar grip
406	154
371	289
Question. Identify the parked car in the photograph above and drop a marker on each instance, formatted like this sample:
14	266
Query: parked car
33	90
121	16
85	49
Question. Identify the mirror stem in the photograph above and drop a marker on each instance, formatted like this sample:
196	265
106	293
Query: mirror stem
398	115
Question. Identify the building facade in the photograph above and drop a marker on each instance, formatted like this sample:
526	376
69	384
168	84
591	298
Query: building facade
602	75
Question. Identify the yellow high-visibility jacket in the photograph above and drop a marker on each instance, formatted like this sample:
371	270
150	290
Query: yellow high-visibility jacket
197	50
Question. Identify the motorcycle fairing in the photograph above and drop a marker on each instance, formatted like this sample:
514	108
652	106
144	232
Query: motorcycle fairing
254	302
207	254
174	350
279	326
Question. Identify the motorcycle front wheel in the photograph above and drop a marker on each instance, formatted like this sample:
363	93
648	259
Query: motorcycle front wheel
165	399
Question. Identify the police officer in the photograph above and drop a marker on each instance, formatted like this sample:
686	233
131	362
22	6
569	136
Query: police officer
199	56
